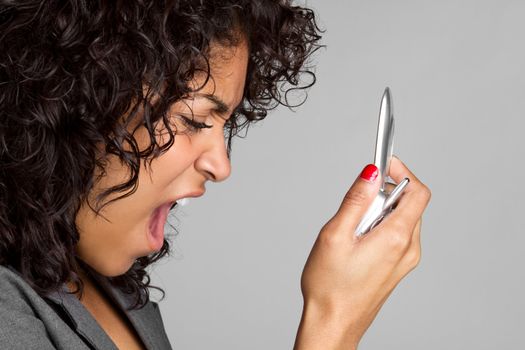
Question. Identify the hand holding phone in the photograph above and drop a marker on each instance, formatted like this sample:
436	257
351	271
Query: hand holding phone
384	201
346	279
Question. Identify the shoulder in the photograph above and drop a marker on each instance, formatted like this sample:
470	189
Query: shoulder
20	328
14	291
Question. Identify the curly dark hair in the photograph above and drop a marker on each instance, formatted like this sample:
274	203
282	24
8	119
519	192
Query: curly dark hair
70	70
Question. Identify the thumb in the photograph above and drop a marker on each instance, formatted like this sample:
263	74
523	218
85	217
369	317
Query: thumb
359	197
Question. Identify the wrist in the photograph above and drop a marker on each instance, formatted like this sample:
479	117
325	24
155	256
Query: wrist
325	328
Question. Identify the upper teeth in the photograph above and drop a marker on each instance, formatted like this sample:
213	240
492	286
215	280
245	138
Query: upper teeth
183	201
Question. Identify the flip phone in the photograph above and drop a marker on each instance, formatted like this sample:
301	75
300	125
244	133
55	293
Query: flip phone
384	201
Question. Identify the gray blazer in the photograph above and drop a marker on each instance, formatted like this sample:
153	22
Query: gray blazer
60	321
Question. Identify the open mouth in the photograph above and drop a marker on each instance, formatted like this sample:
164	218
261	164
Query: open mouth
156	226
158	220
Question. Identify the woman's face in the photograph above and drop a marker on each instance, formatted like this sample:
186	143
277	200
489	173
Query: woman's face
134	224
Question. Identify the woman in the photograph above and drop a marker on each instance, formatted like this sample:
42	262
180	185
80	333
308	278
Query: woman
111	112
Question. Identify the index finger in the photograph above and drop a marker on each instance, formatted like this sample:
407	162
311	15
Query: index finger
415	198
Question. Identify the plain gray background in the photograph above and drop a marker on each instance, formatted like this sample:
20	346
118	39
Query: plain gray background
456	70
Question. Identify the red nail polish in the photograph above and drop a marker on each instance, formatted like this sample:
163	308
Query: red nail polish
370	173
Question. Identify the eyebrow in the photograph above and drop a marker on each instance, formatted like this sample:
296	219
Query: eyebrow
220	106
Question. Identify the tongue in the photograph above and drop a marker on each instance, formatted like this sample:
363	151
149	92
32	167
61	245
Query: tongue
157	226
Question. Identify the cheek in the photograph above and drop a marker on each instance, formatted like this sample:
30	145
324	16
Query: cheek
173	163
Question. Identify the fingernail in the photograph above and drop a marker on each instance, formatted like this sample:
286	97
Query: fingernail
369	173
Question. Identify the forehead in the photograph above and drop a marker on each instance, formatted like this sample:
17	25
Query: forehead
228	68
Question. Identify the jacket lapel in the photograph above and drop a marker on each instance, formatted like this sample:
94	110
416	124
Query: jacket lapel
146	321
81	320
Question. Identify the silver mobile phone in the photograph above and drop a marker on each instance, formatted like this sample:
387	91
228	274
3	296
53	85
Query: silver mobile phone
384	202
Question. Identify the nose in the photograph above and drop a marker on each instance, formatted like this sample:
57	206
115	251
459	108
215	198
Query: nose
214	162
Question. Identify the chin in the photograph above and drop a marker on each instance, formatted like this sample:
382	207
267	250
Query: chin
112	267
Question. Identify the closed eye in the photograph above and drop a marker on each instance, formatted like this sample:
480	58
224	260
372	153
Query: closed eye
194	125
